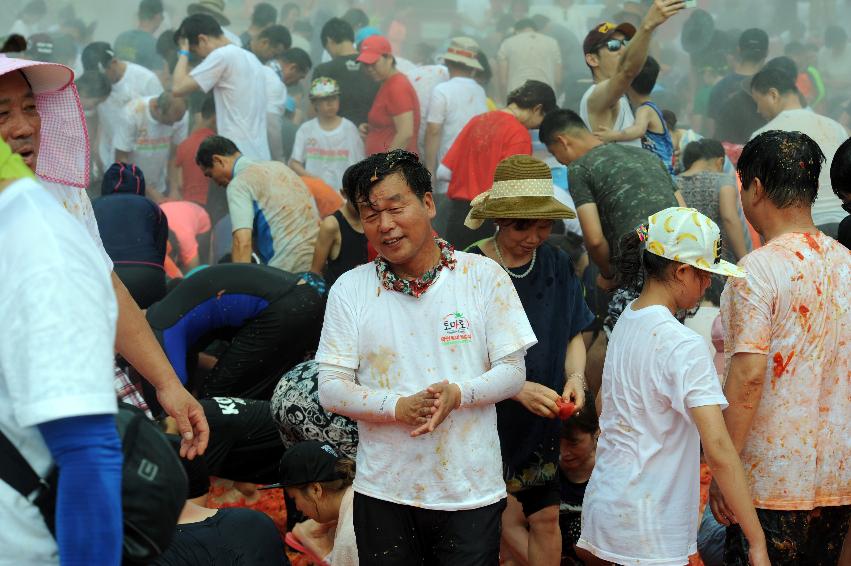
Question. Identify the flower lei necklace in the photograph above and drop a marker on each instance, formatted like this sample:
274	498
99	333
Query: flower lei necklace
418	285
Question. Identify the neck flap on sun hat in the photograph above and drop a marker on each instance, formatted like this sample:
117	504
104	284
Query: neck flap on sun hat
63	155
12	166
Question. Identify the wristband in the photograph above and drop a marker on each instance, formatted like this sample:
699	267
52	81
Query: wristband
183	52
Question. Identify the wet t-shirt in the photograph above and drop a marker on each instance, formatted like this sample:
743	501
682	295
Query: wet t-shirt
795	308
399	344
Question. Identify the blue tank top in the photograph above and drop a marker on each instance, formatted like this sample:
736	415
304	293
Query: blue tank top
660	144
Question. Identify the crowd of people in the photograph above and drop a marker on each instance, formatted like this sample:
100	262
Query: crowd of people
563	284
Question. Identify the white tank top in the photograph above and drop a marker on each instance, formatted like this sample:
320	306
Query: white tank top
624	120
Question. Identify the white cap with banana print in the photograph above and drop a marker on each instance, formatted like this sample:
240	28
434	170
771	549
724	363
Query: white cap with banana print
687	236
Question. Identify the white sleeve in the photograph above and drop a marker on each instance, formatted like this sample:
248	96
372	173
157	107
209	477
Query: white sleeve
297	153
437	107
340	393
691	379
504	380
358	153
276	93
507	328
124	138
210	70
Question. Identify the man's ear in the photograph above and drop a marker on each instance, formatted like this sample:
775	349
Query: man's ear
218	160
758	191
592	60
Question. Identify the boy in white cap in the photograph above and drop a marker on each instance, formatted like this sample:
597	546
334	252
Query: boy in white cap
661	398
329	144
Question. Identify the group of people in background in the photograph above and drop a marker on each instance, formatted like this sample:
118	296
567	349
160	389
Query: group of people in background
564	283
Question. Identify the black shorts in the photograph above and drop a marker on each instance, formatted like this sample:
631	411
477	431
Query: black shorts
794	538
390	534
539	497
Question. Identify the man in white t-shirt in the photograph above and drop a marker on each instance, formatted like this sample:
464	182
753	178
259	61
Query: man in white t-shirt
44	123
235	76
329	144
453	103
129	81
777	100
417	347
56	346
616	54
150	131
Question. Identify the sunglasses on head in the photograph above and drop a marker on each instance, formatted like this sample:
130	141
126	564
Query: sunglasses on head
613	45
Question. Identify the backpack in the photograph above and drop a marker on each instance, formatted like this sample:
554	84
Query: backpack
153	485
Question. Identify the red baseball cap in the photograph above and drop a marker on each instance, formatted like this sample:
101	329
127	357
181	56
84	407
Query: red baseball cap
372	48
604	32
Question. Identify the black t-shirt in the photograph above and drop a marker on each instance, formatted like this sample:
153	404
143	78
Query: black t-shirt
734	110
570	515
844	233
231	537
357	89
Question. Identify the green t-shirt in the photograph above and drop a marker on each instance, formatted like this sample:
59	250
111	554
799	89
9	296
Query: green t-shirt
138	47
627	184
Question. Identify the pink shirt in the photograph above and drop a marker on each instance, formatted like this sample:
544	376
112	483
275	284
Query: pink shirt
187	220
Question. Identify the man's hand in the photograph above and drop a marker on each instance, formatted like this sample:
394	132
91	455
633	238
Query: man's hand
183	44
574	390
661	11
189	416
448	399
363	129
723	514
416	410
538	399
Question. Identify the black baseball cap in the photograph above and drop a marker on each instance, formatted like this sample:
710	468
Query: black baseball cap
754	41
307	462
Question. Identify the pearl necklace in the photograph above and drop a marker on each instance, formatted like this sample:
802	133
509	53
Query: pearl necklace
511	273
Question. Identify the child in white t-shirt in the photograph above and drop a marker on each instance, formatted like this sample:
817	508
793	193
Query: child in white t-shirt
327	145
661	397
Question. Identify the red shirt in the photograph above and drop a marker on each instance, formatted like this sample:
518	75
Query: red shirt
486	140
396	96
195	184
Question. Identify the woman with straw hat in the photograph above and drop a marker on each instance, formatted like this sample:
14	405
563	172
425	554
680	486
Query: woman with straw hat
522	205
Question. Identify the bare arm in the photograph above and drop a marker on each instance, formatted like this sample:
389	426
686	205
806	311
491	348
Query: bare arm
432	144
122	156
744	393
241	248
181	83
634	132
135	341
680	200
275	136
175	180
733	229
595	241
298	167
329	231
404	124
609	92
574	371
723	460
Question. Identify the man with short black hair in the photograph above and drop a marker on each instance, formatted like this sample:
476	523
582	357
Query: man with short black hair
263	16
228	71
294	63
417	347
840	177
270	44
272	212
357	89
730	105
139	45
787	382
615	55
778	100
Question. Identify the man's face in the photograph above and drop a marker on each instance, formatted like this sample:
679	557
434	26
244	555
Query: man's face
265	50
606	61
768	104
292	74
396	222
563	149
220	172
20	123
202	48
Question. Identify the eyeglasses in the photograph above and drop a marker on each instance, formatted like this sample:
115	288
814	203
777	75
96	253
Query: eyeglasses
613	45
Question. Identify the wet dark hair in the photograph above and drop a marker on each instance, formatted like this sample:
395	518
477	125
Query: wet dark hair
148	9
645	81
277	35
787	163
214	145
634	263
299	58
337	30
777	79
360	178
264	14
486	75
562	120
585	420
702	149
840	169
96	56
93	84
197	24
526	23
356	17
521	223
783	63
835	36
531	94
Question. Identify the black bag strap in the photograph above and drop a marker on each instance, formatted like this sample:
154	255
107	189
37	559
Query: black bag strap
18	473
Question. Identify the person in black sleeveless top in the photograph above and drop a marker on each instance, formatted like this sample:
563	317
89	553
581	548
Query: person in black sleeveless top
341	244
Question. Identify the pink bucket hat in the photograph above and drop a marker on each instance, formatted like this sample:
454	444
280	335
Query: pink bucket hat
63	155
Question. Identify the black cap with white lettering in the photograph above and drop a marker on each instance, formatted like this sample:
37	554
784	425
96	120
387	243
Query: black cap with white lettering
308	462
